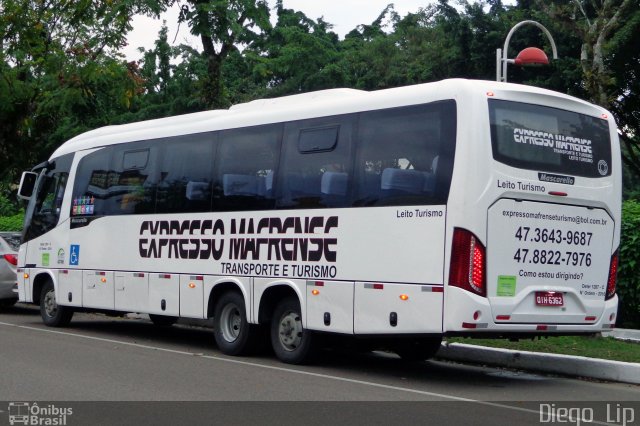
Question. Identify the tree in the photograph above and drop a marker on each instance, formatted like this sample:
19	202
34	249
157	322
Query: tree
298	54
609	57
222	25
624	63
59	73
371	59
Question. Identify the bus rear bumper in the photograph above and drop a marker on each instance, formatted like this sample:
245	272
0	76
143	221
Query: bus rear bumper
467	314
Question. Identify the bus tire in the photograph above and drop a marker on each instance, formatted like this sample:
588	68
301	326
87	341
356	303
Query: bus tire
162	320
53	315
291	343
418	350
233	333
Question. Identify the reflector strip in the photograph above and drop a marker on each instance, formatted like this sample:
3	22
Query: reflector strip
165	276
138	275
590	318
503	317
196	278
64	271
435	289
375	286
558	193
546	327
101	273
319	283
478	325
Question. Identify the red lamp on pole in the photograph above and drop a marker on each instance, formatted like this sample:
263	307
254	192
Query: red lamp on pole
531	56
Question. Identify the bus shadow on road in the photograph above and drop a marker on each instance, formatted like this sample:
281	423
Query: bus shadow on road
21	310
335	359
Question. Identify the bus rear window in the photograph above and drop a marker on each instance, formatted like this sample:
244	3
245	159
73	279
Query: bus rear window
548	139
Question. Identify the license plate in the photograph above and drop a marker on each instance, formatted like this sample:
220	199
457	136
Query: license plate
549	298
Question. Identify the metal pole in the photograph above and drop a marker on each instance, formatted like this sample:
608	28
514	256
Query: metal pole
504	60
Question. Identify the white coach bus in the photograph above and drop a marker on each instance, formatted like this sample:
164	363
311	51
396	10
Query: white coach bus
469	208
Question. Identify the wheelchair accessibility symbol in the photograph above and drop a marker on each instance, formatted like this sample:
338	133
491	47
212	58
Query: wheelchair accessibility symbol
74	255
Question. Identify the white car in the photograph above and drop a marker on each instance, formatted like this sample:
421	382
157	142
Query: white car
9	244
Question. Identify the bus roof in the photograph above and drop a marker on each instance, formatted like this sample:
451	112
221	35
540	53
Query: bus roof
321	103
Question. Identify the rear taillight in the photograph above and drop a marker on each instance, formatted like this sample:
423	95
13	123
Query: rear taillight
11	258
468	262
613	275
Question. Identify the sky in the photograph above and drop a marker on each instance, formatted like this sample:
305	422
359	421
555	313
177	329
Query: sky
345	15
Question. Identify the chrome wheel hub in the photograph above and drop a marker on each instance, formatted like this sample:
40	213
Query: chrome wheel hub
290	331
230	322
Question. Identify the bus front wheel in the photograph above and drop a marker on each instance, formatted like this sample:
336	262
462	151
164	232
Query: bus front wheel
53	315
291	343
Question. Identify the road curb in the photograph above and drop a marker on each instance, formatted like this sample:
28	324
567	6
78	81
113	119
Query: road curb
623	334
625	372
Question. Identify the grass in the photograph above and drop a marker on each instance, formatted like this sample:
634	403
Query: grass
592	347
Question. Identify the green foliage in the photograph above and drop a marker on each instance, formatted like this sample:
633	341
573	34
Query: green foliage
60	73
609	59
12	223
629	271
300	55
223	26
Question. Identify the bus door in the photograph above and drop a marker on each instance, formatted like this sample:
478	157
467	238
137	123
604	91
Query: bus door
41	247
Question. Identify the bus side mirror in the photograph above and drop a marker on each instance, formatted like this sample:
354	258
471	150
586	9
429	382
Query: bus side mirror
27	183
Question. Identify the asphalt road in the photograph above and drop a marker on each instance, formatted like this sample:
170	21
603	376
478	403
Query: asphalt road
123	365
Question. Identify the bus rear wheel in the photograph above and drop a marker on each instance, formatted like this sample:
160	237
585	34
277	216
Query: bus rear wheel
418	350
233	333
291	343
53	315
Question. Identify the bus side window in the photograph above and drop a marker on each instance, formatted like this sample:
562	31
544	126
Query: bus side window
245	166
116	180
91	187
185	175
316	164
400	152
136	168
